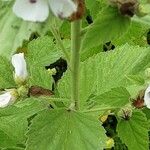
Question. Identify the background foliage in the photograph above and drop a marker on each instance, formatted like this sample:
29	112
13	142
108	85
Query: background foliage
109	81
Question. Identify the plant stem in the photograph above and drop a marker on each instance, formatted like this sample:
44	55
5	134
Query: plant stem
75	61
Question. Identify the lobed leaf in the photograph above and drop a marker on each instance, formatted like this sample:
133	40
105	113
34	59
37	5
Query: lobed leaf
134	132
65	130
109	25
14	122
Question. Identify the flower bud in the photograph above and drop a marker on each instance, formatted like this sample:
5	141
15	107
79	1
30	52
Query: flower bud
147	73
23	91
138	102
125	113
147	97
126	7
19	64
109	143
104	117
8	97
143	10
52	71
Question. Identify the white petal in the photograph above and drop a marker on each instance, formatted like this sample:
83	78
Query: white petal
147	97
19	64
5	99
63	8
37	10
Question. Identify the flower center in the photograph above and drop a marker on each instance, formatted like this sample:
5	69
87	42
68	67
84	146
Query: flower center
33	1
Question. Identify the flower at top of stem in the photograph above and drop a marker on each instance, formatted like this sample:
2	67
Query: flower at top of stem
19	64
38	10
147	97
7	98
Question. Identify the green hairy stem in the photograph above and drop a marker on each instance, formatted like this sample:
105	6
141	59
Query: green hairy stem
75	61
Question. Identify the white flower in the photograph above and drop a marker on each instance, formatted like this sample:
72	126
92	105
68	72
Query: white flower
6	99
147	97
38	10
19	64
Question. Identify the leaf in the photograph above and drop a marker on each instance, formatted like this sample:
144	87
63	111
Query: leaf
134	132
109	25
42	52
136	35
104	71
14	30
116	97
135	79
14	122
65	130
39	77
94	7
6	74
90	52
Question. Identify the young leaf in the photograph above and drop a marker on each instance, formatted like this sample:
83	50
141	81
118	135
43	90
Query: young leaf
109	25
62	129
134	132
6	74
14	122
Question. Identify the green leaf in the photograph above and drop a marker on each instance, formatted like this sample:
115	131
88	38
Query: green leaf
14	122
42	52
91	52
109	25
104	71
117	97
39	76
135	79
94	7
6	74
62	129
134	132
136	35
